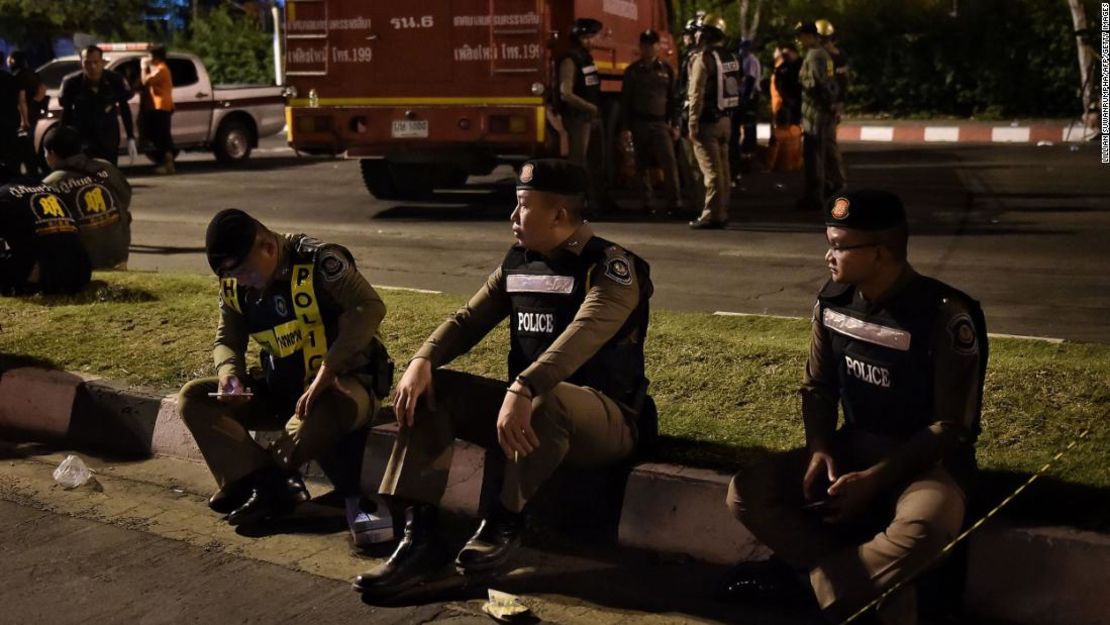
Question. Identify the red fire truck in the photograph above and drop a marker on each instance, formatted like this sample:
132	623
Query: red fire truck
427	92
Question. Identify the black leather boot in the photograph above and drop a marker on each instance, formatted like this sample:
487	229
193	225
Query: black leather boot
418	556
495	539
232	495
275	493
767	583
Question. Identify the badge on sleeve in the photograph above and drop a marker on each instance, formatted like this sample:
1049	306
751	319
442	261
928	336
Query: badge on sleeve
964	338
333	266
618	270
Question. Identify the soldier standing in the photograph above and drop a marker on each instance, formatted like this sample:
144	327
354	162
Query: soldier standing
648	104
714	91
817	77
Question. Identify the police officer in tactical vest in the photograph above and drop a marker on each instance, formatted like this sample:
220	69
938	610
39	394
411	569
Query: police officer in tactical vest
863	507
819	97
688	170
835	176
648	109
40	249
575	392
578	98
324	366
714	91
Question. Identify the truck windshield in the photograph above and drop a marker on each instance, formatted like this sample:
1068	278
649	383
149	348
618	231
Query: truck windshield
53	72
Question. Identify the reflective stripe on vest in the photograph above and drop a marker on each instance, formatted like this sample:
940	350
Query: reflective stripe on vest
726	102
306	333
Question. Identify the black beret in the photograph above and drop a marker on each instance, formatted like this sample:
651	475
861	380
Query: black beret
552	175
586	26
806	28
865	209
649	36
230	236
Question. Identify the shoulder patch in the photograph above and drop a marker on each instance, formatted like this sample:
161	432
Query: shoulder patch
333	266
962	332
618	269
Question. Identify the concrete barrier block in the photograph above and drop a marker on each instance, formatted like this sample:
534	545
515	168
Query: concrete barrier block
171	437
678	509
1048	576
38	401
115	417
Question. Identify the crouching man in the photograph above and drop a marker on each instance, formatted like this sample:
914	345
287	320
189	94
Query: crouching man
325	369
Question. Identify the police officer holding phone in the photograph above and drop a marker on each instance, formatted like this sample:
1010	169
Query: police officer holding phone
325	368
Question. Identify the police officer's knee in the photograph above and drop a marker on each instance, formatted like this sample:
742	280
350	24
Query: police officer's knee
920	536
549	409
191	396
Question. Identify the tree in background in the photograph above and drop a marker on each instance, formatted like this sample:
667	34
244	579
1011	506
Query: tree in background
233	46
114	20
963	58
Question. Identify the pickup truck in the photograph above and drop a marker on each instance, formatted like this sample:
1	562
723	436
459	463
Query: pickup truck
226	119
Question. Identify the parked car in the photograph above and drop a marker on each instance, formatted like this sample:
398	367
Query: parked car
225	119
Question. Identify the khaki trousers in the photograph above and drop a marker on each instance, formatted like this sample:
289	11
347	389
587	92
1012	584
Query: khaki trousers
711	150
222	430
579	128
576	425
850	565
654	145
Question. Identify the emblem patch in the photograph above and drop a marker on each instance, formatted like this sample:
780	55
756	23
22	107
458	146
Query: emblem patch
280	307
618	271
840	208
964	338
333	266
526	173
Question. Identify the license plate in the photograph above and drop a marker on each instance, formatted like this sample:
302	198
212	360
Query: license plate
409	129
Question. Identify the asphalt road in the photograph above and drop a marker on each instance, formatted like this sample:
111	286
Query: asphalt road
1022	228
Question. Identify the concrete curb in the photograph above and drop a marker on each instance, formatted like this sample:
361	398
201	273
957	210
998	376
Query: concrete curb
952	132
1022	575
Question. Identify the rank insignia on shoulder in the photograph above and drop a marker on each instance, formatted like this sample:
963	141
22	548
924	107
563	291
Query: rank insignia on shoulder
618	271
964	338
333	266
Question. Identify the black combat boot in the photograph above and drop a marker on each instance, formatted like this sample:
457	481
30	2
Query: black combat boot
274	493
232	495
766	583
418	556
495	539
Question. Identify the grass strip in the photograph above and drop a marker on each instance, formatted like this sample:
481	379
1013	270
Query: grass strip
726	387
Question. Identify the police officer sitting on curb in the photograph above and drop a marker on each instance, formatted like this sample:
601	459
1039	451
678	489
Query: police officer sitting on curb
713	93
316	319
578	313
866	506
40	250
98	193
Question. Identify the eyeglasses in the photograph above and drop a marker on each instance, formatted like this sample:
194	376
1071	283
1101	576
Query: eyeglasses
845	248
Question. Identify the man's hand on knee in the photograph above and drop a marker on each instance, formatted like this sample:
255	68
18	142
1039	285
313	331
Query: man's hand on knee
514	424
416	382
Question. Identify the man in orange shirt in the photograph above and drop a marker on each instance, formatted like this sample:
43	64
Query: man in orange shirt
158	107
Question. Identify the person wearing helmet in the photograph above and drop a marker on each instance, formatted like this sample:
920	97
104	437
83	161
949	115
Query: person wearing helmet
818	114
835	178
688	170
648	97
713	93
578	98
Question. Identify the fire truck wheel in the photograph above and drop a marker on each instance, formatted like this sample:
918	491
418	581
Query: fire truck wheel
413	181
375	175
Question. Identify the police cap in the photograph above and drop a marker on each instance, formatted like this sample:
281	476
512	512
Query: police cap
806	28
649	36
229	239
865	209
586	26
552	175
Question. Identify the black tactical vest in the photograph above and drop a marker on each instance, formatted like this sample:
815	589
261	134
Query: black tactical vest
38	227
290	321
546	295
723	84
885	360
587	82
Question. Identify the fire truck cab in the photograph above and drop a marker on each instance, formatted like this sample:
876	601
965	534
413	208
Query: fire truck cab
428	92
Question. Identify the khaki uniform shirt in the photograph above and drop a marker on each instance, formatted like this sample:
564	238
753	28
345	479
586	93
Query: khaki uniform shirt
358	324
607	306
